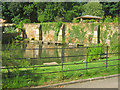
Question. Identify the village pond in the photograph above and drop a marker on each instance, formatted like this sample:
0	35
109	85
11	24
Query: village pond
38	54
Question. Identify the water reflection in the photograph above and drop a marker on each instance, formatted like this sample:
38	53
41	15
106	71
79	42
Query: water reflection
36	51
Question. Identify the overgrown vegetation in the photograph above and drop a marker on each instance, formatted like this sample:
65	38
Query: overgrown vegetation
10	29
114	42
77	33
109	19
46	27
95	52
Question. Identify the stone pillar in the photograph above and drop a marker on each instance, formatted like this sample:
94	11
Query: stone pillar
60	35
96	36
81	19
37	34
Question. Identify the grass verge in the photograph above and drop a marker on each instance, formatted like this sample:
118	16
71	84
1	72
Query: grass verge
28	77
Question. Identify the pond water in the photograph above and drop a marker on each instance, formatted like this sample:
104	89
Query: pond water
37	54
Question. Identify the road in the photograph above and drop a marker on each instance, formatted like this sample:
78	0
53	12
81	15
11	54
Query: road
103	83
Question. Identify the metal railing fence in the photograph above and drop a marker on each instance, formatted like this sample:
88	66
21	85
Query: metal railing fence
62	64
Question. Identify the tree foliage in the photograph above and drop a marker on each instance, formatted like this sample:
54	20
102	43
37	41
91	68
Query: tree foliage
111	8
93	8
14	12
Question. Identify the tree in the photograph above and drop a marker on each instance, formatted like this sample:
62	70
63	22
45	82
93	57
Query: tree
75	11
13	11
111	8
93	8
28	9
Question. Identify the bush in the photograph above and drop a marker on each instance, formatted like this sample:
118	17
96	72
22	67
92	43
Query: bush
20	25
18	38
10	30
115	19
75	21
92	20
57	18
94	52
108	19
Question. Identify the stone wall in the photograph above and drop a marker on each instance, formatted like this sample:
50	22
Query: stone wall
33	32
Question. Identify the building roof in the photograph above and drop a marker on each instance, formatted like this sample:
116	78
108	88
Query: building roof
2	20
89	16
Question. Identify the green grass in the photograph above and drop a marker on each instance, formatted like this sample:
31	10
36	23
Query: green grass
50	78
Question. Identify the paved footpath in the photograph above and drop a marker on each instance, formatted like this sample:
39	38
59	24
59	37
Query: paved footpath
103	83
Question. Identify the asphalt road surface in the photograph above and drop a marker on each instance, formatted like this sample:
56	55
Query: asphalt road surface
103	83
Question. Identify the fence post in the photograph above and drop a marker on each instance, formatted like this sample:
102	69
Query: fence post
106	57
87	59
62	62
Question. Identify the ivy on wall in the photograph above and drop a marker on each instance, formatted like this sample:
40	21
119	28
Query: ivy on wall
77	33
92	27
108	27
46	27
90	38
103	36
114	42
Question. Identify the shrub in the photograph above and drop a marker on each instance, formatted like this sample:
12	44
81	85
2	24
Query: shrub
92	20
108	19
75	21
20	25
18	38
94	52
10	30
115	19
57	18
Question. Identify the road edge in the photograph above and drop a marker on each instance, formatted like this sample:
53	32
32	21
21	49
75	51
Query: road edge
71	82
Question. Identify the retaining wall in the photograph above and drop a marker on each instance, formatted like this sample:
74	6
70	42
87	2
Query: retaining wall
34	32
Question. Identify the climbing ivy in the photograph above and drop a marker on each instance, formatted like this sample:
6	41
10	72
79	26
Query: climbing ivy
87	25
90	38
114	42
108	27
92	27
103	36
46	27
77	33
57	29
